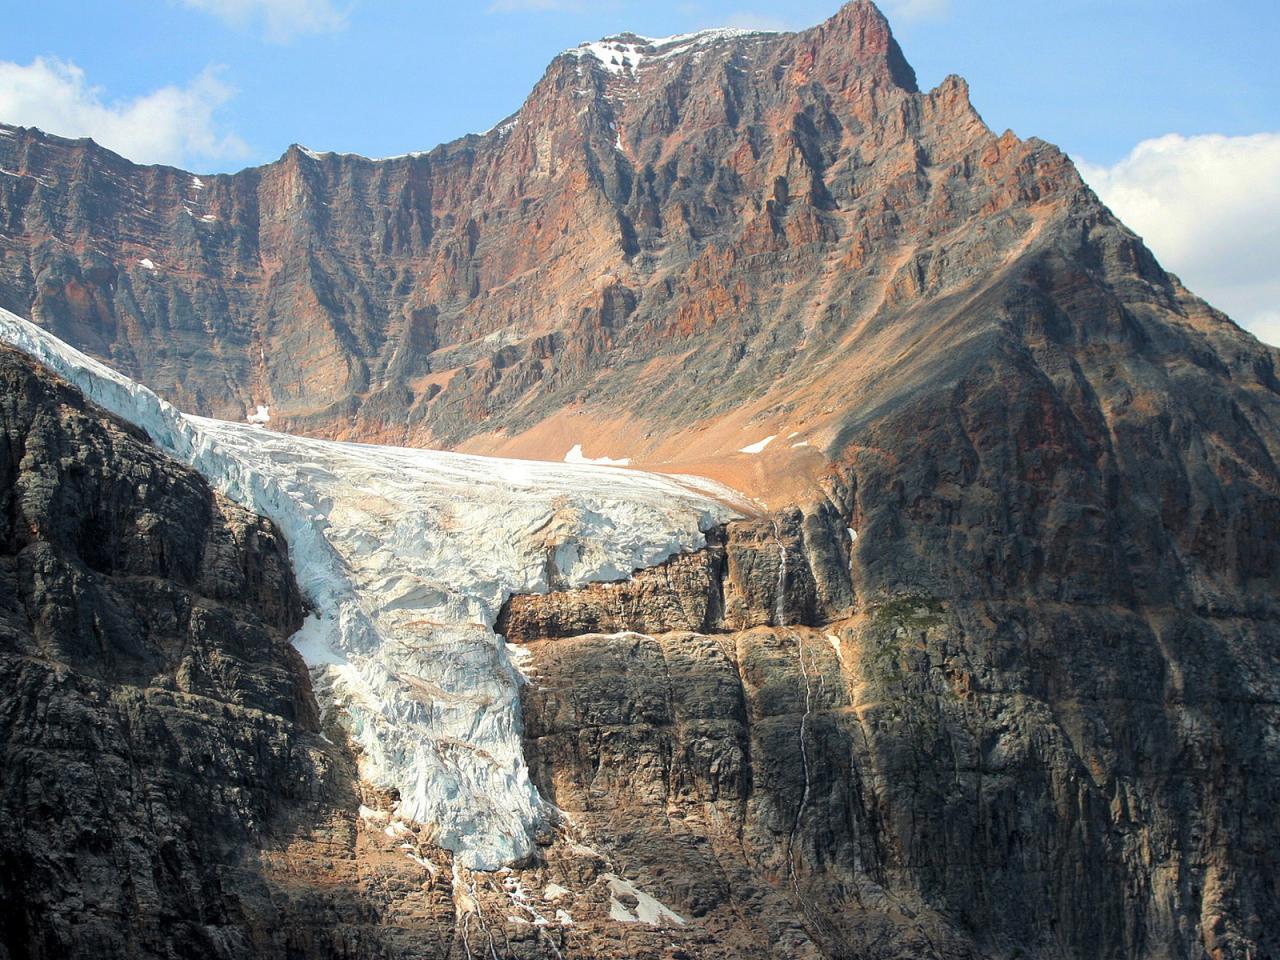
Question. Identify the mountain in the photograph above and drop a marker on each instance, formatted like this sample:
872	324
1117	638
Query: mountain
714	239
986	665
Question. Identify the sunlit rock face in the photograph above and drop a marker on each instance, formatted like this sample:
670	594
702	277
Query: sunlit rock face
671	250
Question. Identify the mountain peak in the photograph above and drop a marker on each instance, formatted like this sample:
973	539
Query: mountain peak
860	31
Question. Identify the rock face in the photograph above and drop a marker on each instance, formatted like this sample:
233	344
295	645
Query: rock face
995	675
742	235
792	568
976	765
931	775
166	788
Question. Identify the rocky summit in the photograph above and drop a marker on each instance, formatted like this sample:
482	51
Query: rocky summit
966	644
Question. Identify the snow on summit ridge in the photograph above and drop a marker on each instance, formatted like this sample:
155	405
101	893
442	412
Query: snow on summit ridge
406	557
626	51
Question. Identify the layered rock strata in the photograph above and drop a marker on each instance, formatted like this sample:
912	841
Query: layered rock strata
941	773
692	245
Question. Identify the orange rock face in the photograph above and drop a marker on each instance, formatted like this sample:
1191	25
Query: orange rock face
682	246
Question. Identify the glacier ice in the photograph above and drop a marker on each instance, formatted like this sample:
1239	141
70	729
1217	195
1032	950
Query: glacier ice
406	557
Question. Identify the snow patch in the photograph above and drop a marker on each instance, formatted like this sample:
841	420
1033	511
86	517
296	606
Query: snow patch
405	557
759	445
146	264
261	415
197	183
615	56
835	645
553	891
647	910
502	128
626	52
411	155
576	455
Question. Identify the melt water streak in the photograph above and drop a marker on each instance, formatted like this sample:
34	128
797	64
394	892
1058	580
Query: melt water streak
406	556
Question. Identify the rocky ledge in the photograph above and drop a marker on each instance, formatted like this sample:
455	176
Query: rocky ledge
814	773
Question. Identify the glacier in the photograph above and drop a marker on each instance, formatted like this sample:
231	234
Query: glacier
405	557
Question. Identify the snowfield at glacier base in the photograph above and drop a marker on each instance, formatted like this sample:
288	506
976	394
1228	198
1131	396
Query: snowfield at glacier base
406	557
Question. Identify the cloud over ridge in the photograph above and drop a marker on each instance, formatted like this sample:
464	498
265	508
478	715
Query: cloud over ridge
1209	208
174	125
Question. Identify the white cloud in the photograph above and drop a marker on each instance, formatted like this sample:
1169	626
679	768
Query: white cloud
282	19
172	125
1266	326
916	9
1209	208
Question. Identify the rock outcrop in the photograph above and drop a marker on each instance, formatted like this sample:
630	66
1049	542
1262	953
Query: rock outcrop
166	788
791	569
942	778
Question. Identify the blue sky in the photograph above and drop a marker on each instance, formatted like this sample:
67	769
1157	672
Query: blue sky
219	84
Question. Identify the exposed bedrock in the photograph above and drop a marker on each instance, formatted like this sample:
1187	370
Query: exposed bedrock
793	568
907	757
934	778
165	790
